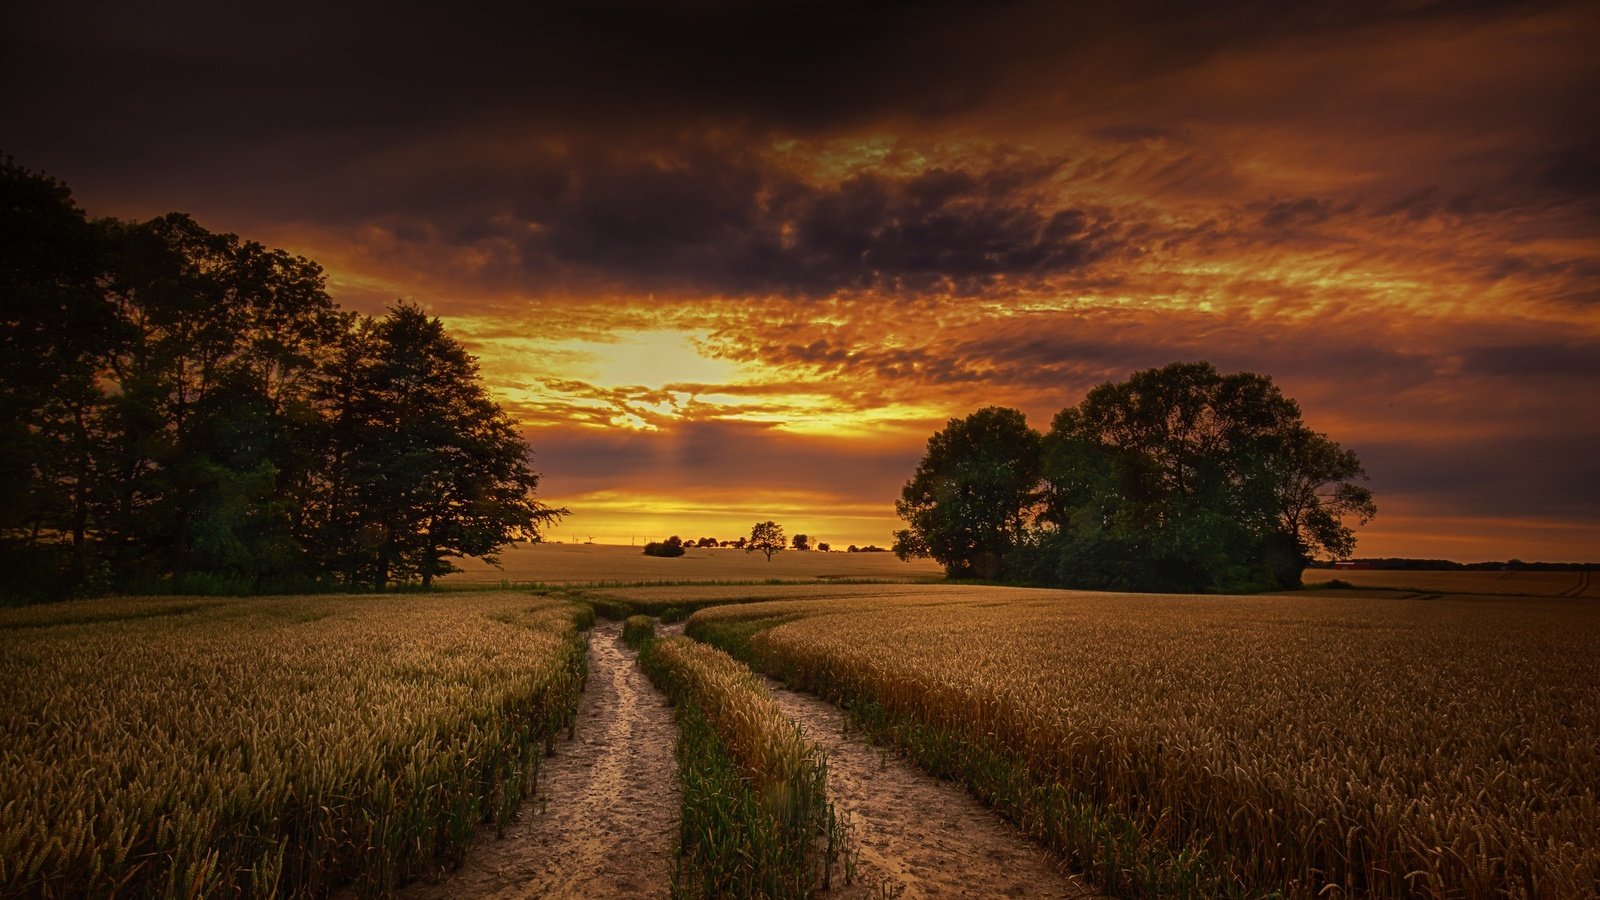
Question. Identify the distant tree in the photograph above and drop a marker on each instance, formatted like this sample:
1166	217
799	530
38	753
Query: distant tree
739	543
824	547
972	493
853	549
706	542
670	548
766	537
802	542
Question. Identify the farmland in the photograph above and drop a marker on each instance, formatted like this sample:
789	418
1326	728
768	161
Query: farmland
554	563
192	748
1346	746
1316	743
1518	583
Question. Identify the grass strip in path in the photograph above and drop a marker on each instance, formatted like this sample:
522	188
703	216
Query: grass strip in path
756	821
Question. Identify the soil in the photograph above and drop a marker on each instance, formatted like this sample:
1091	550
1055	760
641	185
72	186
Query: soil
604	821
917	836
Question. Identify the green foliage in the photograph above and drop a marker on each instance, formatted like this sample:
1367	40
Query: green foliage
637	630
968	501
181	409
1185	479
1179	479
756	820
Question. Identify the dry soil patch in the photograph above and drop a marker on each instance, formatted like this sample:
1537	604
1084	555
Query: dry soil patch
918	836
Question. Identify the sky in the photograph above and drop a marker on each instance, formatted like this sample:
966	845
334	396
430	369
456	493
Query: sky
731	261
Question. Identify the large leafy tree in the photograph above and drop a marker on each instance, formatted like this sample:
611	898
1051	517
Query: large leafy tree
186	409
436	470
1183	478
56	327
972	494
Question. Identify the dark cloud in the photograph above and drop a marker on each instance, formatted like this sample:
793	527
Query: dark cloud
1549	475
1390	206
719	456
1552	359
707	218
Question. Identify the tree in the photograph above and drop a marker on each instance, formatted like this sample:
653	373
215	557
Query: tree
824	547
972	493
802	542
1182	478
56	330
437	469
671	548
183	409
766	537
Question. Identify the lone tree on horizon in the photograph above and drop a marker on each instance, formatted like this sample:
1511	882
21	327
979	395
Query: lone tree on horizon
767	537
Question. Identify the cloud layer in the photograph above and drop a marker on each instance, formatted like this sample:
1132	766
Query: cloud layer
723	256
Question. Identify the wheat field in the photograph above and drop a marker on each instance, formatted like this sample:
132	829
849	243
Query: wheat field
1318	746
189	748
553	563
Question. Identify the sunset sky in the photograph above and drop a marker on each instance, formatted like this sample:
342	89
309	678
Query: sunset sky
738	260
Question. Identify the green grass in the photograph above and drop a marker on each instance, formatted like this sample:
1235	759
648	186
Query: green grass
637	630
756	819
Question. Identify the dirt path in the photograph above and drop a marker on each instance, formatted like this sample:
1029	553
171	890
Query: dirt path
918	836
605	820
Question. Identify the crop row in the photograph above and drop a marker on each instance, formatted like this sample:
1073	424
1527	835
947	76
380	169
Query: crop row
1306	747
756	819
278	746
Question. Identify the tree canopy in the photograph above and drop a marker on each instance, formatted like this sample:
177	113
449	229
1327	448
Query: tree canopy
190	410
972	493
766	537
1180	478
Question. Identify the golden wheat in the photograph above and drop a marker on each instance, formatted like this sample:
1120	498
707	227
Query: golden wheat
1310	745
190	748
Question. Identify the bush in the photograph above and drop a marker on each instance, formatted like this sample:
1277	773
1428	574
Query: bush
665	548
636	630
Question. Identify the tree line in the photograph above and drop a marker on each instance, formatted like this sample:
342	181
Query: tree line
1179	479
190	411
766	537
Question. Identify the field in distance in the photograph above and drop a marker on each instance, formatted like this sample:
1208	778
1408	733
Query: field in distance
553	563
1339	743
1534	584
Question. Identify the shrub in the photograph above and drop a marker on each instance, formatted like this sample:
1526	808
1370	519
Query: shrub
636	630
